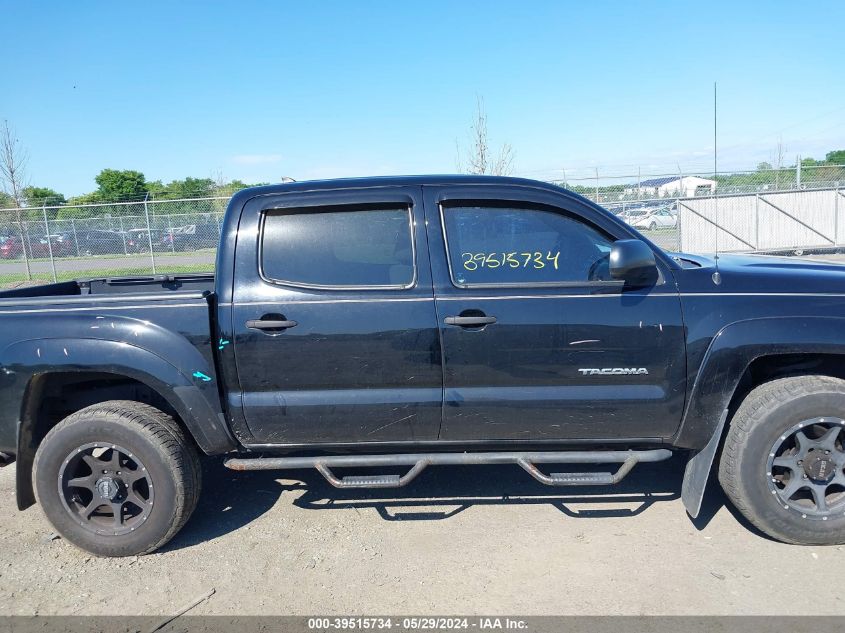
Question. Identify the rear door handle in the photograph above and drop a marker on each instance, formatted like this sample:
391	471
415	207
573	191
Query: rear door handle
268	324
470	321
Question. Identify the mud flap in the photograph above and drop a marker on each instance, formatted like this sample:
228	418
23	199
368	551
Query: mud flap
697	472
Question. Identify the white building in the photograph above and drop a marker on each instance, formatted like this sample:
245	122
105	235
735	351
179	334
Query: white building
686	186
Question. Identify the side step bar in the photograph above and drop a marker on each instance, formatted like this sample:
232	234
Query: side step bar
420	461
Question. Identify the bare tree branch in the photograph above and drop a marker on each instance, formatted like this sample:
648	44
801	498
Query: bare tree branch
777	159
459	167
13	162
479	159
13	177
504	163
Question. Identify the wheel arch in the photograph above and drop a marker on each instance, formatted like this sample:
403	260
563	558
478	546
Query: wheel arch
741	357
77	373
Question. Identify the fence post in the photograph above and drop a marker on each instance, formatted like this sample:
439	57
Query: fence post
757	221
798	173
639	181
24	247
149	233
49	242
836	216
75	237
679	226
123	235
597	185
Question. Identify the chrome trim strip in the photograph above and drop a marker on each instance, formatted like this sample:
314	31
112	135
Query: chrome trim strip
468	297
762	294
471	297
277	301
584	296
656	294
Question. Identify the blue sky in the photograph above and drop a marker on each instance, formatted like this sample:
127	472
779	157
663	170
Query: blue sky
257	91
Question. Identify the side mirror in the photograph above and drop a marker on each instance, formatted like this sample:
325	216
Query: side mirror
633	261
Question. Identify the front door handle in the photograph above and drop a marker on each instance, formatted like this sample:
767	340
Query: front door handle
470	321
270	324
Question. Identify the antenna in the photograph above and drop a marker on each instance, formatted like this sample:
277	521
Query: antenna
715	138
717	276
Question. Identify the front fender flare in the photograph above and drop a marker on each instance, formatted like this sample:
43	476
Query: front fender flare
731	352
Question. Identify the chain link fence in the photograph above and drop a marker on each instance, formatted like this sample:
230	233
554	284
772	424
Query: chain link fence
764	210
47	244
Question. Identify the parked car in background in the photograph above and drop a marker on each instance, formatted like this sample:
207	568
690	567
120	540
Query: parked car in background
191	237
59	245
658	219
139	240
100	242
631	214
10	247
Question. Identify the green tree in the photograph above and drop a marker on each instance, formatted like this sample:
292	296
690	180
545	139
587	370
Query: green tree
115	185
836	157
6	201
764	166
71	210
189	188
37	196
156	188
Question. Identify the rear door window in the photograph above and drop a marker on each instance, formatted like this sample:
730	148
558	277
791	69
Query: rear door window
339	247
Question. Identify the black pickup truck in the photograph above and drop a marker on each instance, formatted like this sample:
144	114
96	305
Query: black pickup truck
398	323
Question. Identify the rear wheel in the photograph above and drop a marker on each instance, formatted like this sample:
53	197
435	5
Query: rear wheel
118	478
783	463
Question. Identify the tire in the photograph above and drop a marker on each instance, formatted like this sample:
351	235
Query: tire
765	433
151	477
652	226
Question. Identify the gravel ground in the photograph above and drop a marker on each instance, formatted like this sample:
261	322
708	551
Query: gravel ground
457	541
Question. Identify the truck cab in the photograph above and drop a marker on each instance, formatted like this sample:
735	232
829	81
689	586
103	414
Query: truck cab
451	312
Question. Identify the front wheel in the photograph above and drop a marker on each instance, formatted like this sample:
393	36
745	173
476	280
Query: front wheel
783	462
117	478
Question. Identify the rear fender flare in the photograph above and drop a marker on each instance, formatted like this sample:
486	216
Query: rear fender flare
197	405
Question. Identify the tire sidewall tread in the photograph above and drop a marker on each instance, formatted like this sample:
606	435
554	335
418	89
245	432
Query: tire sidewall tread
766	413
170	457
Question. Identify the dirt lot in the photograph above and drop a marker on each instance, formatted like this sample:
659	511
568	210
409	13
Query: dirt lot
457	541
